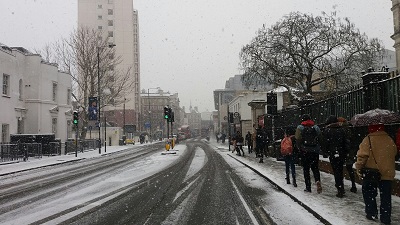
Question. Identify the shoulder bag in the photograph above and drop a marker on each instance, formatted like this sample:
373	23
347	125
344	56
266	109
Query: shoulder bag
371	174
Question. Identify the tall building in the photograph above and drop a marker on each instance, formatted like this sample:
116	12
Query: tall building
119	22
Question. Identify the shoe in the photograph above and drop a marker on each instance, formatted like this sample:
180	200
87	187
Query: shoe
340	195
261	160
307	190
287	180
370	217
353	189
294	183
319	187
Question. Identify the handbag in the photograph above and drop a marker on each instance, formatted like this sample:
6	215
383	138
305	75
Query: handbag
371	174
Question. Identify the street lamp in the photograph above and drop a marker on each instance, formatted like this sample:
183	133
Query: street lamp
148	98
98	90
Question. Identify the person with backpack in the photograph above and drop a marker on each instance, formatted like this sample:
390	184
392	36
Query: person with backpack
288	152
307	139
249	142
336	146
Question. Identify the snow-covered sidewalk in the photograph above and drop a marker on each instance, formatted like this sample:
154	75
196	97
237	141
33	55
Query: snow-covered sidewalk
346	210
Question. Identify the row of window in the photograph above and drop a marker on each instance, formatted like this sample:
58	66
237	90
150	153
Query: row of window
6	89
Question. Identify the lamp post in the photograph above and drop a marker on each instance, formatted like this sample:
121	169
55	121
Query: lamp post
148	98
98	91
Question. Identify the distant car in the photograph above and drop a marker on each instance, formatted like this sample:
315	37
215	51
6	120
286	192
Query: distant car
130	141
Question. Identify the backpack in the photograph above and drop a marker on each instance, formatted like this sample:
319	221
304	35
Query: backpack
309	136
287	145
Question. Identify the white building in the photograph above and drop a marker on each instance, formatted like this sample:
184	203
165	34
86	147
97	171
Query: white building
119	22
36	97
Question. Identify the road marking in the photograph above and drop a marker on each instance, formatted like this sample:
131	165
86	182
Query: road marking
246	206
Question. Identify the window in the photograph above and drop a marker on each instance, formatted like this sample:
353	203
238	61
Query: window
20	126
100	27
110	12
6	84
110	34
99	17
99	6
110	23
69	129
4	132
20	88
54	91
110	1
69	96
54	126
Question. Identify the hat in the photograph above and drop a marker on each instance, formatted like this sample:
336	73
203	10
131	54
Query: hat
305	117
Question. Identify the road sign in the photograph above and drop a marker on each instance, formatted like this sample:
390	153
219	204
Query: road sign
147	124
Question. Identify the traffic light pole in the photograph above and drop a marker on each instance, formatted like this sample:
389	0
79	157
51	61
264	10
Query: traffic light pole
76	140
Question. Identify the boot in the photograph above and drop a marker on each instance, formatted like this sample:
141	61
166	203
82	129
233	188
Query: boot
340	192
294	182
261	160
353	189
287	179
319	187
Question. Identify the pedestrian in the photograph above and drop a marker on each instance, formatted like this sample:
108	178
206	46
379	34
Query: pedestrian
377	150
289	150
307	139
351	154
398	144
261	141
238	143
223	136
249	142
335	143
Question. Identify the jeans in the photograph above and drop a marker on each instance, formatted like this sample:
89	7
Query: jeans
289	163
310	160
369	191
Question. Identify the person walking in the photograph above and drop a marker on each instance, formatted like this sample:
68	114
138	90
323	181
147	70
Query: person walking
260	143
377	150
307	139
288	151
335	143
249	142
238	143
351	154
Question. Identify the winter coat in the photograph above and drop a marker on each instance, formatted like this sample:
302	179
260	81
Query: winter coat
384	152
298	137
335	141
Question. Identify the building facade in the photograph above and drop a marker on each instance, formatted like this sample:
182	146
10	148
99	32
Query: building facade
118	22
152	116
36	96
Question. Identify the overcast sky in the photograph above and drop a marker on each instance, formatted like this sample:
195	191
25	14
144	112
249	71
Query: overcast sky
189	47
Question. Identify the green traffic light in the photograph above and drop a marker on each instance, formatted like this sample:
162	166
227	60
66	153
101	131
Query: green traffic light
75	121
166	117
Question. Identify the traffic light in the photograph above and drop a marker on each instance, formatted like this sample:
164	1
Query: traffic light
76	117
166	112
172	117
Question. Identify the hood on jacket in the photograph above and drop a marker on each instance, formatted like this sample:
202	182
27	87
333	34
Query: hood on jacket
308	123
376	127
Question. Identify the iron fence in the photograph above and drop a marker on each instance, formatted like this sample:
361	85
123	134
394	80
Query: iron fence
20	151
81	146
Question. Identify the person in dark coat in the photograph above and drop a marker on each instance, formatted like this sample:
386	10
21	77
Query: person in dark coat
238	143
249	142
309	152
261	141
336	146
351	156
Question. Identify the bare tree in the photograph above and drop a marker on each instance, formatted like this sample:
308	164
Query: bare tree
302	51
81	55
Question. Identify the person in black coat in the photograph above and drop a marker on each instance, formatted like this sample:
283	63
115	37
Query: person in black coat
335	143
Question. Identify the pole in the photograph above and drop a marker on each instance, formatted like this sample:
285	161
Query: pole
98	97
76	141
105	134
124	117
229	129
148	98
